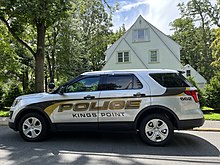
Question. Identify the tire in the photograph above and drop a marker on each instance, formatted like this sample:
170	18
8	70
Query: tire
156	130
33	127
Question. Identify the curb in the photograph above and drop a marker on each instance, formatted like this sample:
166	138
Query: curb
207	129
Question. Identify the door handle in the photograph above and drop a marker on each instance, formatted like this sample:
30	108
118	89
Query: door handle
89	97
139	94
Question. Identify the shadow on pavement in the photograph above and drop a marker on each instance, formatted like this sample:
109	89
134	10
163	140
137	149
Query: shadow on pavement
100	144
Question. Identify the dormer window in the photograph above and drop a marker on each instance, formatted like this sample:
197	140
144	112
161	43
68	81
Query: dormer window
140	35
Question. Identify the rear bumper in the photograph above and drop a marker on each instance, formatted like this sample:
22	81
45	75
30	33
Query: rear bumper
189	124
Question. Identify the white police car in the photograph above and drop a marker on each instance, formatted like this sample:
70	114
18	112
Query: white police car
150	102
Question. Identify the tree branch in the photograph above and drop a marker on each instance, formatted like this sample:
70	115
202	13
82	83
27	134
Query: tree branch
15	36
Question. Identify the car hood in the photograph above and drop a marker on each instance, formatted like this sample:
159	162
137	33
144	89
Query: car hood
33	96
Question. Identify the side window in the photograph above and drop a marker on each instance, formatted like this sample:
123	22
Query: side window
85	84
122	82
170	80
188	73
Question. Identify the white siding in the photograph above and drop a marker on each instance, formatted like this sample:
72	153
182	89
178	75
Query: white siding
169	51
200	80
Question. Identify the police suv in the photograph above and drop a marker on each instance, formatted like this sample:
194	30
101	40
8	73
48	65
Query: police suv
151	102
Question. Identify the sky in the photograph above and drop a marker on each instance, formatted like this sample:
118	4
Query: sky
158	12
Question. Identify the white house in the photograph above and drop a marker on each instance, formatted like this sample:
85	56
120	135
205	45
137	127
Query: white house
190	71
144	46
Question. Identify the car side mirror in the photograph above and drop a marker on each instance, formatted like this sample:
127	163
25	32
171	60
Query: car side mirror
51	86
61	90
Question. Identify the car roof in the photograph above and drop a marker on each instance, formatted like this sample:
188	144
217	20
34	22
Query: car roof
131	71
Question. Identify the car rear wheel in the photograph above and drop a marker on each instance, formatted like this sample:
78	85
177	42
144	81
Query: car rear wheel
156	130
33	127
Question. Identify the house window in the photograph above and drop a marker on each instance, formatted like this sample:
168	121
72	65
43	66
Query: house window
141	35
154	56
188	73
123	57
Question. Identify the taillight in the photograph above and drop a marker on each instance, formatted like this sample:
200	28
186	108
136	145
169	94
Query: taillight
194	94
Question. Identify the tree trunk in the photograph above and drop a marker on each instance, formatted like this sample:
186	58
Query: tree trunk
39	58
25	80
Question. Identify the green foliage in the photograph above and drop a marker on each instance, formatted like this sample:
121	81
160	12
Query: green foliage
114	36
4	113
212	116
1	97
13	92
76	36
216	49
212	92
204	108
37	16
77	44
202	100
193	31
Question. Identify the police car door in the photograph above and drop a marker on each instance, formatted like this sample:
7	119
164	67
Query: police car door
75	104
124	95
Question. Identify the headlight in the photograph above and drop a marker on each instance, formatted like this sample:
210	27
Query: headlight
16	102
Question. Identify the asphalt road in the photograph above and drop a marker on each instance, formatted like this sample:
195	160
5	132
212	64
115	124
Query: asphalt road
187	147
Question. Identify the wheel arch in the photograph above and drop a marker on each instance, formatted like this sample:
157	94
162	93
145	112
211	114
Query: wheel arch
156	109
32	109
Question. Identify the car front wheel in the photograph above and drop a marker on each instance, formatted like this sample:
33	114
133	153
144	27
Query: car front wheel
33	127
156	130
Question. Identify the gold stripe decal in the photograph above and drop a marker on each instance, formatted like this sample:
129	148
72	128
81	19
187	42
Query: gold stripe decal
49	110
92	106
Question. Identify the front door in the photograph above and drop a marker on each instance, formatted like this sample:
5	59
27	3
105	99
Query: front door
74	106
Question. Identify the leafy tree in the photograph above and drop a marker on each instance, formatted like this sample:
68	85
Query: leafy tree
193	32
1	97
216	49
114	36
202	100
212	91
77	43
9	61
13	92
36	14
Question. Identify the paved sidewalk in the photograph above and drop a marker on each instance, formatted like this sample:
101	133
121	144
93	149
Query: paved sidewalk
3	121
207	126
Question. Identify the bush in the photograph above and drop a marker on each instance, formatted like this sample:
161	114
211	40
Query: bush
202	100
1	98
12	93
212	92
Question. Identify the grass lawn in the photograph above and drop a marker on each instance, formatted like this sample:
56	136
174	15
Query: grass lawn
206	108
212	116
4	113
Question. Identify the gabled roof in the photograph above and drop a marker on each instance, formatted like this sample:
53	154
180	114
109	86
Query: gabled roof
163	37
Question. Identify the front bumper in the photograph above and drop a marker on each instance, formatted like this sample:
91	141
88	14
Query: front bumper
189	124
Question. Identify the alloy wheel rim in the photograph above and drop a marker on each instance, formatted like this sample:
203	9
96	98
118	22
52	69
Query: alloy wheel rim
32	127
156	130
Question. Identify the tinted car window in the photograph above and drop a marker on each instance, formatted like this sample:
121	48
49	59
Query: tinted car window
85	84
170	79
122	82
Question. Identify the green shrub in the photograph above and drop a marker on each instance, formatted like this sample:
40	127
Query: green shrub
4	113
212	92
1	97
11	94
202	99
